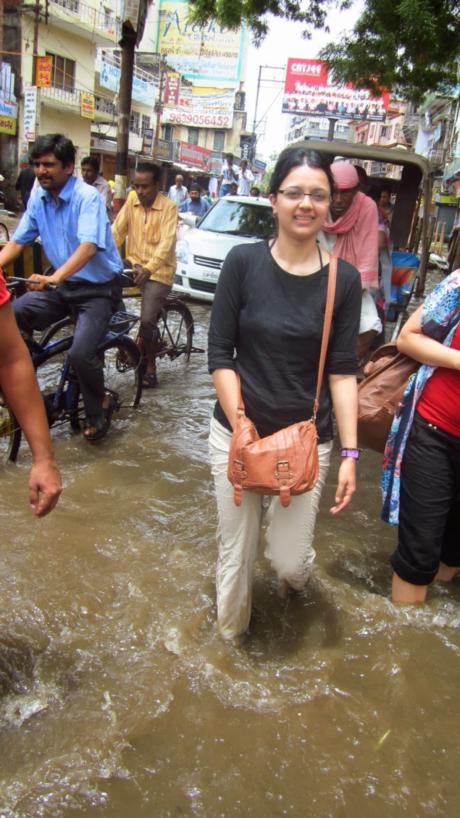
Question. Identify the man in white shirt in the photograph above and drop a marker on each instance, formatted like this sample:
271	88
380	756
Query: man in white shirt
228	176
178	193
246	179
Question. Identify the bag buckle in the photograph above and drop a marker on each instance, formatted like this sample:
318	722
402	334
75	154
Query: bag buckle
282	469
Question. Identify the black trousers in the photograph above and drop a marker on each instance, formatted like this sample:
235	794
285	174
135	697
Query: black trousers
91	305
429	511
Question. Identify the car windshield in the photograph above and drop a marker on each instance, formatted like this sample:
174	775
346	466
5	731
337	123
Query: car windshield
239	219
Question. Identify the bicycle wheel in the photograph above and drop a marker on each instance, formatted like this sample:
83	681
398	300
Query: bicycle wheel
10	434
175	327
50	374
122	371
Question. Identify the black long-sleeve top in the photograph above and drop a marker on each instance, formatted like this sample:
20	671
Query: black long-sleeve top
266	324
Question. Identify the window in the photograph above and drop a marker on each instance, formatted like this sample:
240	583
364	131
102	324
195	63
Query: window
145	124
135	122
63	72
385	131
219	141
167	132
193	136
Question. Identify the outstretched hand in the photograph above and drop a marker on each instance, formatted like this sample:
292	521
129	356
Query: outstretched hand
45	486
346	485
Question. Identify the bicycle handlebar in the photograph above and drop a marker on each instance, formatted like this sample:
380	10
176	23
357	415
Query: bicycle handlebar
13	281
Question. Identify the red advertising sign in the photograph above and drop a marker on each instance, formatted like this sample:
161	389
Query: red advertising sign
194	156
172	90
308	92
307	72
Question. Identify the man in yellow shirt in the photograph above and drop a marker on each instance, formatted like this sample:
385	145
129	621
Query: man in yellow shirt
148	222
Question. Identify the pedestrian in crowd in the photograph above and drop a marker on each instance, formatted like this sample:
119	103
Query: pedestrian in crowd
148	223
246	177
255	192
273	345
232	189
20	388
213	188
178	193
421	470
24	185
71	220
196	204
91	175
228	175
353	235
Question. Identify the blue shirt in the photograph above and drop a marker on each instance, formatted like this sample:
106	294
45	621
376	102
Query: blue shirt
78	214
197	207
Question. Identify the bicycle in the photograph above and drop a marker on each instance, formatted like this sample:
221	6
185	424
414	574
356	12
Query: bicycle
59	383
175	326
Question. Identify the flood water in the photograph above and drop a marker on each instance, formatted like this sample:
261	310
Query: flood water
118	698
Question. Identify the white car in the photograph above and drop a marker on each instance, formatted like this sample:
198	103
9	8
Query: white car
202	249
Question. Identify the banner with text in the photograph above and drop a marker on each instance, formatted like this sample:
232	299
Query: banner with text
199	52
202	108
309	92
43	71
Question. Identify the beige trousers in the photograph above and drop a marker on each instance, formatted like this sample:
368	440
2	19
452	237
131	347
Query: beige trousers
289	535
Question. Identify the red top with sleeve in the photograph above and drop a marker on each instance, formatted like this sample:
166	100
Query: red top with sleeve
4	294
440	400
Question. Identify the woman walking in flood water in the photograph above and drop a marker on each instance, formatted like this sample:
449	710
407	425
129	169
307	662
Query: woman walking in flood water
266	325
421	477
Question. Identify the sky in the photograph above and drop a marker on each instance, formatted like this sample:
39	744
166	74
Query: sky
283	40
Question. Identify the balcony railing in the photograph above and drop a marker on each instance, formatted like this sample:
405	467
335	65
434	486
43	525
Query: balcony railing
62	96
91	18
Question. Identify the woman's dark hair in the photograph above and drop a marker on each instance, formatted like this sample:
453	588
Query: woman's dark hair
292	158
57	144
92	161
149	167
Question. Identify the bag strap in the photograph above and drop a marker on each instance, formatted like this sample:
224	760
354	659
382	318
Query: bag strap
330	296
331	284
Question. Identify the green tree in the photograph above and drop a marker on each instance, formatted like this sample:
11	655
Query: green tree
410	47
231	13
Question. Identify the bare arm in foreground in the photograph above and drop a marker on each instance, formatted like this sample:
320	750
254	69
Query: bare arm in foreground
18	384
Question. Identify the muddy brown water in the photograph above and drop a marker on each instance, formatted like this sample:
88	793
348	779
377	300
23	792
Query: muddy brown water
119	700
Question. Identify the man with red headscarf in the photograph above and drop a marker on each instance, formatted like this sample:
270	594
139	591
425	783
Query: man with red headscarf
353	236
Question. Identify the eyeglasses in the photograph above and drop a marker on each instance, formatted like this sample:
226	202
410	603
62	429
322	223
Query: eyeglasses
296	194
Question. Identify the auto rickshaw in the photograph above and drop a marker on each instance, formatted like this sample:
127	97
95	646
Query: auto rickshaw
410	223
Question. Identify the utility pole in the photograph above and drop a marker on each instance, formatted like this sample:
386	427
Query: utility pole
37	10
159	105
127	44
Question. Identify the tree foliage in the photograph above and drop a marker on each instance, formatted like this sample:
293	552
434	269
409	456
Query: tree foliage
410	47
230	13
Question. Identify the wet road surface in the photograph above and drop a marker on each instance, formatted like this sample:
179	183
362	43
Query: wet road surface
119	700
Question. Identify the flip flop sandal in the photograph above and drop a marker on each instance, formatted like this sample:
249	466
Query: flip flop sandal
101	425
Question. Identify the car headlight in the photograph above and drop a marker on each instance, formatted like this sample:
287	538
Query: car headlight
182	251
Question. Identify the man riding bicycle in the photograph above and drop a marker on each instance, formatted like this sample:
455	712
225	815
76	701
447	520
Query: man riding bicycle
148	221
71	220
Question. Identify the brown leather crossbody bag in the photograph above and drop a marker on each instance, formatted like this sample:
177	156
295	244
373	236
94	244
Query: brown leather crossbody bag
285	463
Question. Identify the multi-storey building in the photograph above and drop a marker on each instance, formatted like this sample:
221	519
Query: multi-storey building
387	134
315	127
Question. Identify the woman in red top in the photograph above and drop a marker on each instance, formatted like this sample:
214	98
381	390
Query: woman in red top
18	384
429	504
